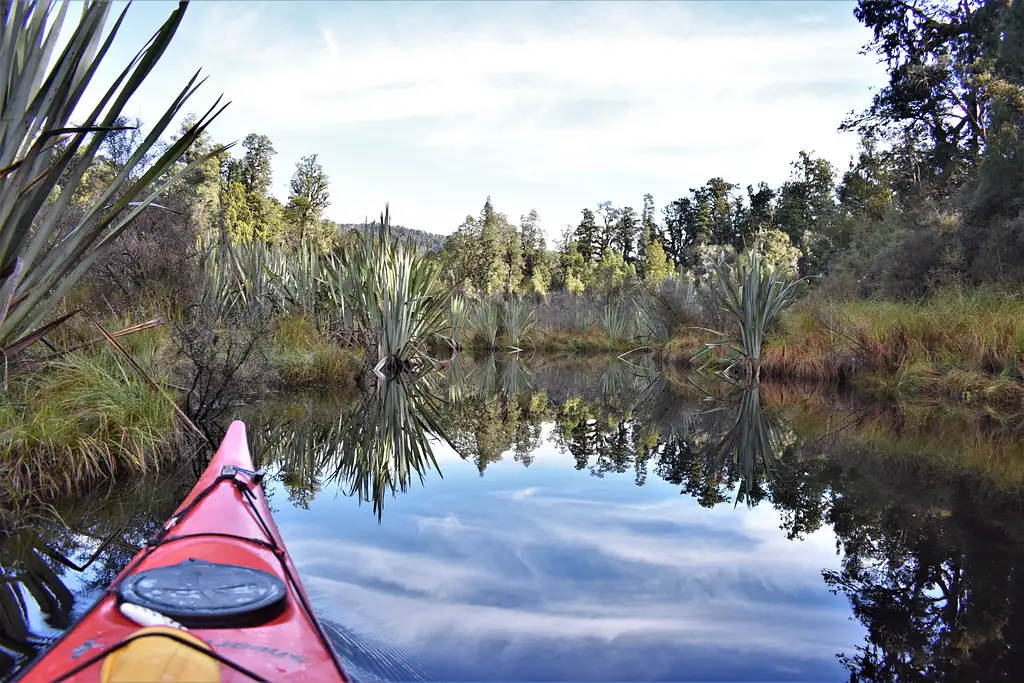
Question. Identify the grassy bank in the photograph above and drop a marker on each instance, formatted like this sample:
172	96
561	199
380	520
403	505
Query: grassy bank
87	415
964	345
83	418
304	357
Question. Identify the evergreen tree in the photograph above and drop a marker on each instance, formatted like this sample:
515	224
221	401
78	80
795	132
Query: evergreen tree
308	196
656	267
254	168
626	233
607	230
586	236
648	219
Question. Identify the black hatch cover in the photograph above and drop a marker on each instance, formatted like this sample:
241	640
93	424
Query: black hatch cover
201	594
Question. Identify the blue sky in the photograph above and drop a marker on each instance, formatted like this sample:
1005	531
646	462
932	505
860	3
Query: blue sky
547	573
432	106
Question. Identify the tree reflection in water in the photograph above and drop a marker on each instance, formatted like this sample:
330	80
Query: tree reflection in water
926	505
56	566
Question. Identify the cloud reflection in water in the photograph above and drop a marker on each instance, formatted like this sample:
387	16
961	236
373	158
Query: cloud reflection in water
549	574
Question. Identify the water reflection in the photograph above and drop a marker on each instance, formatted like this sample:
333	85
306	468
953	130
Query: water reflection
515	566
375	447
51	571
842	476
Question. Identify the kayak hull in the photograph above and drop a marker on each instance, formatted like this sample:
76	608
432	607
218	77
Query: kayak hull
215	523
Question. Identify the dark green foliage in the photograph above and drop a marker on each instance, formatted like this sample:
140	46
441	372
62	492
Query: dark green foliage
587	236
938	187
625	237
308	196
425	241
253	170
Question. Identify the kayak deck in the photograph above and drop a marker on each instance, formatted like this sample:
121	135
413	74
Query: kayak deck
224	519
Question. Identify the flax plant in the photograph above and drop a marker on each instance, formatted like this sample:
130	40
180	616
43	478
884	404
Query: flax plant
239	276
457	317
616	323
650	326
301	278
396	296
517	317
753	297
484	321
44	157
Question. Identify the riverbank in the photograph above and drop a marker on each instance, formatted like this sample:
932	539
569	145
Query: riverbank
89	416
74	419
966	346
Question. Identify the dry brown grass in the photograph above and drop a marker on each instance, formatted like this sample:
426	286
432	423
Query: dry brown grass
967	346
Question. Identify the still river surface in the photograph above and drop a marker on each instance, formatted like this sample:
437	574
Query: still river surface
603	522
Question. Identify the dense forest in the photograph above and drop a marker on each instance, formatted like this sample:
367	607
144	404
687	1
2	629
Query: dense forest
933	197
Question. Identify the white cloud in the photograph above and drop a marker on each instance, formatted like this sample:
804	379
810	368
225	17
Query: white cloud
434	105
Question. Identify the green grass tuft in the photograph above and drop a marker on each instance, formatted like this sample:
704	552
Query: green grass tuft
84	418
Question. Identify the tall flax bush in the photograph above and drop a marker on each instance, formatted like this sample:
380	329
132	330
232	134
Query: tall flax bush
616	323
44	157
457	318
517	317
244	275
394	294
485	321
753	298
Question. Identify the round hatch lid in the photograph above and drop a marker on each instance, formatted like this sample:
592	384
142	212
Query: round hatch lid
201	594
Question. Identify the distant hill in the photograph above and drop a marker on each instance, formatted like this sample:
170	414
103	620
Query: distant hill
427	241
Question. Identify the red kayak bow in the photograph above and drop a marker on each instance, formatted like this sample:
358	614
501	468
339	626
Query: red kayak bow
213	596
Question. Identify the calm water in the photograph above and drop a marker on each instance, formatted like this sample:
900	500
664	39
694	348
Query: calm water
600	522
